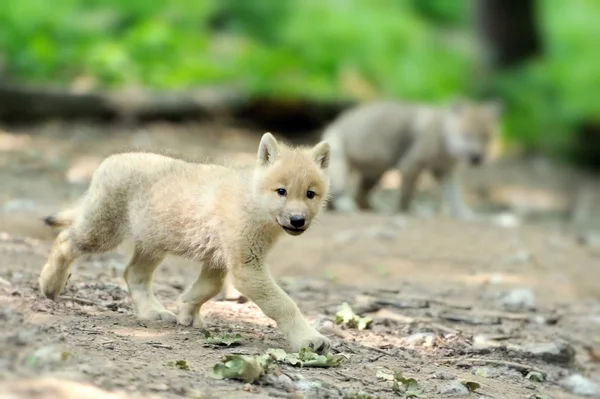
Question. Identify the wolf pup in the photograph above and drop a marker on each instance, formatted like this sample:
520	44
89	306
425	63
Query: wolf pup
226	218
370	139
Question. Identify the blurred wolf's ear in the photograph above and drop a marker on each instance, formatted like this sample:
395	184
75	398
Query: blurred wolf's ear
268	150
321	153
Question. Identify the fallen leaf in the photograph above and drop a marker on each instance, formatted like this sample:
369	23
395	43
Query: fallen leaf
351	320
180	364
225	340
240	367
536	376
306	358
404	387
471	385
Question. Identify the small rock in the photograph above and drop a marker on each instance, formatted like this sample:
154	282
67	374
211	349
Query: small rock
495	279
519	299
442	375
399	222
345	237
454	388
420	339
4	282
381	233
551	352
158	387
506	220
488	372
281	382
580	385
494	372
522	256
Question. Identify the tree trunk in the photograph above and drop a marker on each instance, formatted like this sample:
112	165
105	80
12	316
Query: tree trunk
508	30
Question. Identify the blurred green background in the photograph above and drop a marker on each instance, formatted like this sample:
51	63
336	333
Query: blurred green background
423	50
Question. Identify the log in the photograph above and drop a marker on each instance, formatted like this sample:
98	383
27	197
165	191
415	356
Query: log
284	115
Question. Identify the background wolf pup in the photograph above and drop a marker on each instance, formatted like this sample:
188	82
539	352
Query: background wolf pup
223	217
370	139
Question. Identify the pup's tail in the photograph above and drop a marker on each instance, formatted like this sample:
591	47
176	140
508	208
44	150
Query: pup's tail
62	219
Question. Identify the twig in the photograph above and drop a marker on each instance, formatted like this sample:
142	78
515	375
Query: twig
159	345
349	377
524	368
81	301
376	358
378	350
402	304
386	314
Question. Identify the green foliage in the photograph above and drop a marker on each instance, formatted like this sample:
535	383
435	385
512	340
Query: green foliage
411	49
548	97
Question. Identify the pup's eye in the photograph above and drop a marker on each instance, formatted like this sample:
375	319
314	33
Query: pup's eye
310	194
281	192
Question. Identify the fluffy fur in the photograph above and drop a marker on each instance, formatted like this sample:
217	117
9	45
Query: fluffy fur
226	218
370	139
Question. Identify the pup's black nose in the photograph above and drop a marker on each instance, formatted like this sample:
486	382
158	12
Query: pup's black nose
297	221
476	159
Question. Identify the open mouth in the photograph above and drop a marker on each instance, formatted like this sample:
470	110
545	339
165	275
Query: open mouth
292	230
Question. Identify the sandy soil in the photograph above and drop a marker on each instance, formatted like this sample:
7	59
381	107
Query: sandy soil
439	290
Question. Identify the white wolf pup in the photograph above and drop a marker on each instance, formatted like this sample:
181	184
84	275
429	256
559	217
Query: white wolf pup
225	218
370	139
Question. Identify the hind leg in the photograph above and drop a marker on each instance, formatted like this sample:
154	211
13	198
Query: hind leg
138	276
208	284
343	179
96	229
230	293
55	272
365	186
345	192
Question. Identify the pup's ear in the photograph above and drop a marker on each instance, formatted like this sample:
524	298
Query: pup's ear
495	108
321	153
268	150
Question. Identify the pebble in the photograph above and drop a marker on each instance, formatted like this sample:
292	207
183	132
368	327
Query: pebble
281	382
381	233
506	220
346	237
519	299
420	339
580	385
454	388
443	375
551	352
158	387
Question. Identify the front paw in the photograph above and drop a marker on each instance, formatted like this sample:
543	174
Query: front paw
312	339
51	282
189	315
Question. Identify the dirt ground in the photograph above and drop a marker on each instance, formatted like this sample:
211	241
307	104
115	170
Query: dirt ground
484	301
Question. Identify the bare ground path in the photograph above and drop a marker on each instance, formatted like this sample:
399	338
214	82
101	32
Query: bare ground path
437	289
